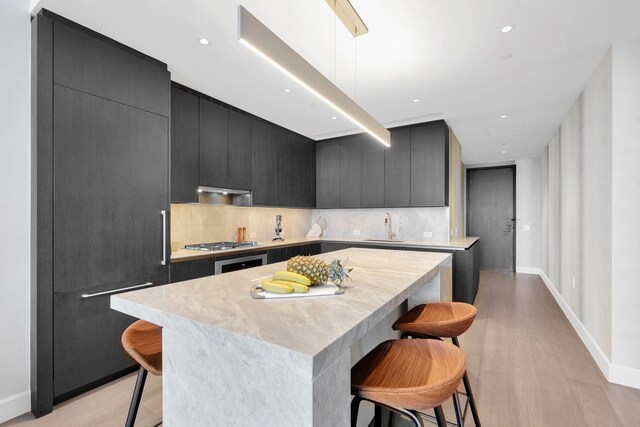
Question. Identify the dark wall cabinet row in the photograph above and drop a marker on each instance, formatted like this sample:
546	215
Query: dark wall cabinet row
358	172
101	152
216	146
195	269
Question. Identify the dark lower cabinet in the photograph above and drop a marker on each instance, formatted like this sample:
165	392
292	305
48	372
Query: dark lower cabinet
86	339
333	246
193	269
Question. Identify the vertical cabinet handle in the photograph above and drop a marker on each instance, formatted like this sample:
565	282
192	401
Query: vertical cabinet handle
164	237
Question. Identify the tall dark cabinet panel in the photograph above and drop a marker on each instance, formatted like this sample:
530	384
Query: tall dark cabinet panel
397	171
304	174
184	146
372	172
263	160
351	171
430	164
101	114
213	137
239	151
285	170
328	174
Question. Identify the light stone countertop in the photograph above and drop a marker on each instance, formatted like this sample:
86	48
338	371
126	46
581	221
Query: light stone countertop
461	243
307	331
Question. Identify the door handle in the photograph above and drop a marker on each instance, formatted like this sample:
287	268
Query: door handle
116	291
164	237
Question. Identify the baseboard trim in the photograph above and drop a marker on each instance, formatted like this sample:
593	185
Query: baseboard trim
616	374
528	270
14	406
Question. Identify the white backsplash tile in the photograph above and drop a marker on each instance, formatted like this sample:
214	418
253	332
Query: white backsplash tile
407	223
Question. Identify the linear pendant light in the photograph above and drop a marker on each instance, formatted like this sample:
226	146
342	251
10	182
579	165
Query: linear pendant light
257	37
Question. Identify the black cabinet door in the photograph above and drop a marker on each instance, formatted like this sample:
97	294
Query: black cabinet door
276	255
195	269
328	174
263	160
430	164
86	337
372	172
285	171
213	137
100	67
239	167
333	246
184	146
351	171
304	186
110	176
397	169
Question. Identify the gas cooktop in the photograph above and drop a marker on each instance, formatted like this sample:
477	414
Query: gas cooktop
221	246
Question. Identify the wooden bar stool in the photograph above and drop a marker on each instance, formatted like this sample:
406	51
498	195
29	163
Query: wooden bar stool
437	321
407	377
143	342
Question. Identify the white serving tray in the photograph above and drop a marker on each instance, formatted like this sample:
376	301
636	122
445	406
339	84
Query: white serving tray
314	291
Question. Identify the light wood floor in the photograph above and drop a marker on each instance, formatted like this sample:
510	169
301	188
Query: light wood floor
527	366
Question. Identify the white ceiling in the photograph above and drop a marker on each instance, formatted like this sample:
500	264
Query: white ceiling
445	52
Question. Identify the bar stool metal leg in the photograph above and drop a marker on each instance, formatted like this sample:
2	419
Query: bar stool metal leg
467	389
137	396
442	422
457	409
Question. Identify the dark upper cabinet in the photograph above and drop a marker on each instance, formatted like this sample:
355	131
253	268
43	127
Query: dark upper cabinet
263	161
304	179
101	67
397	170
328	174
285	170
184	146
351	171
213	137
239	168
430	164
372	172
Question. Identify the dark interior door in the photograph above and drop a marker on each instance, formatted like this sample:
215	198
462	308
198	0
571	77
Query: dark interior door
490	215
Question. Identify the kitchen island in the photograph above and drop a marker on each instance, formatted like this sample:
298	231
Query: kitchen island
229	359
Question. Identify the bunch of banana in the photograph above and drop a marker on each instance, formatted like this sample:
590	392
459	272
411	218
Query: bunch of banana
286	282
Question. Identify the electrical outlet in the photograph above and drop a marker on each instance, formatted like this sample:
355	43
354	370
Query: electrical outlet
573	282
356	232
252	235
427	234
526	227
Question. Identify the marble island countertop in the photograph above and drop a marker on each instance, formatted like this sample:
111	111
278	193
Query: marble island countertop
461	243
381	280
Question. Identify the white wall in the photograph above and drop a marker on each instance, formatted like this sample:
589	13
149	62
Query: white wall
528	228
14	205
626	205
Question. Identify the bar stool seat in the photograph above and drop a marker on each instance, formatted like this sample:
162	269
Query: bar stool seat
443	319
142	341
409	375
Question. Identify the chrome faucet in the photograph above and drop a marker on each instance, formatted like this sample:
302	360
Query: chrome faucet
387	221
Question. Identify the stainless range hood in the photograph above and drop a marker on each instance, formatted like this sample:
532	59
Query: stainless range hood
224	196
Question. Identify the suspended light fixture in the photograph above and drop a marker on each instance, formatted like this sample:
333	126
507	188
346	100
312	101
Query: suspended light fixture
257	37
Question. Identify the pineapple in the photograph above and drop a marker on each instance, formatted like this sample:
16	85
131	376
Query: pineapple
319	271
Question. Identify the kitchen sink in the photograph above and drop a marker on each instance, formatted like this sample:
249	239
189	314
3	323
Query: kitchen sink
384	240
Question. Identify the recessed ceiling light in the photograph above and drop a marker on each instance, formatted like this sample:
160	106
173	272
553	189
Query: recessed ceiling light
507	56
224	193
286	90
334	118
506	29
204	41
504	116
416	99
504	151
